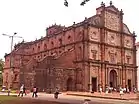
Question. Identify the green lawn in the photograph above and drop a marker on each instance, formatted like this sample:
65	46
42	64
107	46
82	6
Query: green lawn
19	100
4	99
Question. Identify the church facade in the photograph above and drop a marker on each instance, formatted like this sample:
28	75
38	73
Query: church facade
100	50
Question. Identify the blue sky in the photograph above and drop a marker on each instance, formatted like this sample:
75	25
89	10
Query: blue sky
29	18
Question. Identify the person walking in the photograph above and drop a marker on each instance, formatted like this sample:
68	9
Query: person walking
21	91
56	93
34	92
24	90
9	90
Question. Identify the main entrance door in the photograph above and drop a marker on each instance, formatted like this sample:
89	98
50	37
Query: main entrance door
94	84
113	79
69	84
129	84
41	79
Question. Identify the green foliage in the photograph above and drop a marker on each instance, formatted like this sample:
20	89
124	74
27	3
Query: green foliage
1	70
1	65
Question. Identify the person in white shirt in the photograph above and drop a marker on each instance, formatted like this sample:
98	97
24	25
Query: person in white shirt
21	90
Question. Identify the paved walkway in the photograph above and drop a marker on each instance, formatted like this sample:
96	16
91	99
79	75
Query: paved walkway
64	98
80	99
113	95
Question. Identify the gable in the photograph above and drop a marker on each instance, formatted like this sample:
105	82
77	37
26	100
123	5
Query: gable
112	8
126	29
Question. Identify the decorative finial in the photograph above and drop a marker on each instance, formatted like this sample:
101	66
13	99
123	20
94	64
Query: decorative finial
110	3
121	12
85	19
102	3
133	32
23	41
74	23
15	33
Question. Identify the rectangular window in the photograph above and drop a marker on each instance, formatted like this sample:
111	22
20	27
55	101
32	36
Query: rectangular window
112	58
128	59
94	54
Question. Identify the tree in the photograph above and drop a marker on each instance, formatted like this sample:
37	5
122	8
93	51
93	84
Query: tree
1	69
1	65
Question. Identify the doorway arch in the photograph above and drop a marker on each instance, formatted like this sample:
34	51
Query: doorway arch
69	84
113	79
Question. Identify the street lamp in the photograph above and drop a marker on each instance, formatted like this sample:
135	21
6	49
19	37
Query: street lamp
11	64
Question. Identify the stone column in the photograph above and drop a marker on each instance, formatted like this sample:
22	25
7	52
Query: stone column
86	78
103	77
106	76
124	80
90	84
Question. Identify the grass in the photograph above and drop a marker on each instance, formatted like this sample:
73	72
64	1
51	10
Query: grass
5	97
18	100
12	91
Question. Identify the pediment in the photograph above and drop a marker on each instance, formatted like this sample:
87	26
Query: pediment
126	29
113	8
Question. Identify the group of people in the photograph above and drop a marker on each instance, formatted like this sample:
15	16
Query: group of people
23	91
121	90
35	91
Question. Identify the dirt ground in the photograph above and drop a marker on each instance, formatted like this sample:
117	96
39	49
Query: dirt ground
28	101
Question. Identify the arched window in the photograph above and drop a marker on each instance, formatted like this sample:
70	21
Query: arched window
60	51
94	54
69	39
60	42
15	77
38	48
112	57
52	44
128	59
45	46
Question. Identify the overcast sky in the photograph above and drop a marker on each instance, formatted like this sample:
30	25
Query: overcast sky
29	18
